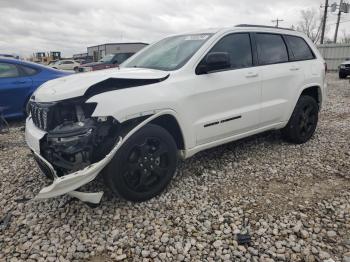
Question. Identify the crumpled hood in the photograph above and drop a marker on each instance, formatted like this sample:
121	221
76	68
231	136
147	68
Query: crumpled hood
77	84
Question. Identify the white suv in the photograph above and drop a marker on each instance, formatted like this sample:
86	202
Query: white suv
179	96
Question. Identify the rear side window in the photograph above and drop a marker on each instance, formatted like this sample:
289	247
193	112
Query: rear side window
28	71
271	49
299	48
8	70
238	48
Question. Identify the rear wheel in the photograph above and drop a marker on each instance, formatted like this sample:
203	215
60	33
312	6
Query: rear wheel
303	122
342	75
144	165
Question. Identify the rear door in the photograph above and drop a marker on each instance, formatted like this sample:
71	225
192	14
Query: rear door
280	77
14	87
227	102
303	56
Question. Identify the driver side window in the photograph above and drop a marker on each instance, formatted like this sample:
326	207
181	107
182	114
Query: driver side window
238	48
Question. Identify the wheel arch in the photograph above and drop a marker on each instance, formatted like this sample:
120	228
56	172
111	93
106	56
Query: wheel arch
314	91
167	120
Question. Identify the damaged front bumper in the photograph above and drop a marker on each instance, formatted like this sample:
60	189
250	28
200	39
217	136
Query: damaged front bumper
67	184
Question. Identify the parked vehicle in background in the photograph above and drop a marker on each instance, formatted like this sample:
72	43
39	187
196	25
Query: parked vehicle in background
9	56
18	80
52	62
344	69
179	96
109	61
65	65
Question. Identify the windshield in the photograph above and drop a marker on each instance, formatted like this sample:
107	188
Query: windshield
170	53
107	58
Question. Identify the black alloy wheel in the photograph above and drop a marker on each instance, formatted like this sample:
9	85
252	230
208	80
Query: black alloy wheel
147	164
303	121
307	120
144	165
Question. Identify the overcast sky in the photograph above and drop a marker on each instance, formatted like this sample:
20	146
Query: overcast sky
28	26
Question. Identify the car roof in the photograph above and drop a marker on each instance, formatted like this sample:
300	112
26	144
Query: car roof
17	61
248	27
24	63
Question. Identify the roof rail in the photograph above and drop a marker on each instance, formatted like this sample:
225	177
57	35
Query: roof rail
263	26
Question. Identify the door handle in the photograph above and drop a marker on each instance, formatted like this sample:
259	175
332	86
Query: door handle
251	74
19	82
294	68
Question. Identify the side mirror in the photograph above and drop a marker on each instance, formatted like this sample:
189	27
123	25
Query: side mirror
217	61
213	62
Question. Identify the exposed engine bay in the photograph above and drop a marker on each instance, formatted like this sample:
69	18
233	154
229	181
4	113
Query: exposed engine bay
74	139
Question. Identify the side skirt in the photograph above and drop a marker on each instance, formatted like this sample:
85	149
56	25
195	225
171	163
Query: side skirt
190	152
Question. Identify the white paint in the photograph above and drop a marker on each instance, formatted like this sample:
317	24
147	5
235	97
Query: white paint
264	97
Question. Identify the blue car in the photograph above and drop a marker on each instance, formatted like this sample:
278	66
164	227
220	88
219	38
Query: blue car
18	81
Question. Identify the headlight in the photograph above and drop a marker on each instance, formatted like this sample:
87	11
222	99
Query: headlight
342	66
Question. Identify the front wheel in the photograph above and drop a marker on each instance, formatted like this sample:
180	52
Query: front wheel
303	122
144	165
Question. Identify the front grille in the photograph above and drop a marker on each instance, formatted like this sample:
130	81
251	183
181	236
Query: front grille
44	167
41	115
347	65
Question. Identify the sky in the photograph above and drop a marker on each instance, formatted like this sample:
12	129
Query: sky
69	26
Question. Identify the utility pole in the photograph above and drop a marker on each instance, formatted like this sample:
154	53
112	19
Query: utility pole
277	21
338	21
324	21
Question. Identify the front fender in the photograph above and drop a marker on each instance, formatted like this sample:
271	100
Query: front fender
129	103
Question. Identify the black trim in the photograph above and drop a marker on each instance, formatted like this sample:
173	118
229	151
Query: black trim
112	84
212	124
230	119
222	121
254	49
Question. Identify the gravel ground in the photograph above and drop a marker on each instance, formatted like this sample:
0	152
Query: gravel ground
294	200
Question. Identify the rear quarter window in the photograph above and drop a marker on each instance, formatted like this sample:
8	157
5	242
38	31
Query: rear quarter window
300	49
29	71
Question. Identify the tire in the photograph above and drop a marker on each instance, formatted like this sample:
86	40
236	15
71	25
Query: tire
76	69
143	167
342	75
302	124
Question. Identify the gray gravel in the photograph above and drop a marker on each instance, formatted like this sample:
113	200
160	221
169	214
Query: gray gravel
294	200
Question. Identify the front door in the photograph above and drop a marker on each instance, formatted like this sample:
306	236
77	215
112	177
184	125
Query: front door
227	102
